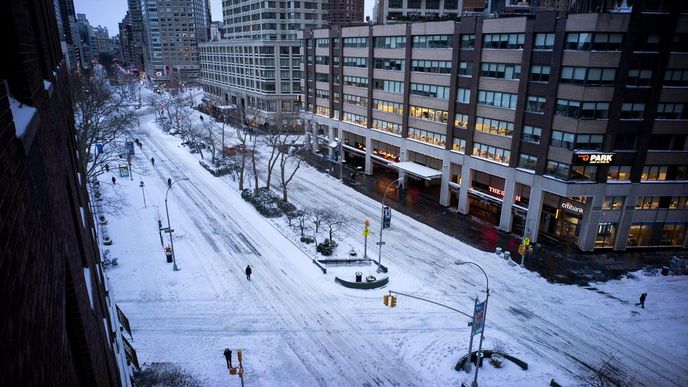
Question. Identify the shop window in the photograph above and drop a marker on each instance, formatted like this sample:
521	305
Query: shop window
606	234
673	234
640	234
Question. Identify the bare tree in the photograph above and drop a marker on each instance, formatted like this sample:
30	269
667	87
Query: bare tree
317	217
303	216
607	374
242	136
210	127
272	140
101	117
334	221
288	159
253	153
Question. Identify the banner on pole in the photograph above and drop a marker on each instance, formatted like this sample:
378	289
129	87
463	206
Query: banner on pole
478	318
386	217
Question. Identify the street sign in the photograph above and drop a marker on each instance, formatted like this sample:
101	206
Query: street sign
521	249
526	241
168	230
479	317
379	243
123	170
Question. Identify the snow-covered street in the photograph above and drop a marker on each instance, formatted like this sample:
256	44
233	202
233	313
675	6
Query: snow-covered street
297	327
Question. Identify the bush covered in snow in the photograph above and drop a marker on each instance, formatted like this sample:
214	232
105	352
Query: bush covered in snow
264	201
218	169
327	247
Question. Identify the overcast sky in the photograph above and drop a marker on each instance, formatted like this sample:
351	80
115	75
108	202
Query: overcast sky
109	13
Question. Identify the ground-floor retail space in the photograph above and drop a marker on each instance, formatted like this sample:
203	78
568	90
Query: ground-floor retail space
513	200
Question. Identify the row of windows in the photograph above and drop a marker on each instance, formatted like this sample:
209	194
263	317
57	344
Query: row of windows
352	61
433	41
582	110
356	119
320	93
389	64
355	42
587	76
489	152
511	41
427	137
350	80
500	70
498	99
355	100
664	172
489	125
387	106
387	126
428	114
431	66
655	202
570	172
390	42
599	41
573	141
389	86
433	91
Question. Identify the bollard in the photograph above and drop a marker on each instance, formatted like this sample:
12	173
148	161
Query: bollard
498	251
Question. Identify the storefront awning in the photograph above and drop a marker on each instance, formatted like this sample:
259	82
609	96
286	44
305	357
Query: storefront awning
334	144
417	170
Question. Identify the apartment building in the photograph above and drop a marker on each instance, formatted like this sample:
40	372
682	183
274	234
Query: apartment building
172	31
573	128
399	11
255	68
345	12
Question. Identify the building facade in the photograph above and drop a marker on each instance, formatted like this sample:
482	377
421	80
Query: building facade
255	68
572	128
399	11
55	327
345	12
138	41
173	30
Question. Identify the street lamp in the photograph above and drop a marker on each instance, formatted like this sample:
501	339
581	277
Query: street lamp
480	344
382	221
169	228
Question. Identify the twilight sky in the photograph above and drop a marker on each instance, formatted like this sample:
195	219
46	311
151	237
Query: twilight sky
109	13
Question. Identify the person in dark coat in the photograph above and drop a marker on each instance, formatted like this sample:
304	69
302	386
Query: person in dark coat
642	300
248	272
113	180
107	168
169	182
228	357
153	160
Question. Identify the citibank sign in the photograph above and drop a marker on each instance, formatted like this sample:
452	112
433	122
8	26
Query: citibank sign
594	158
568	206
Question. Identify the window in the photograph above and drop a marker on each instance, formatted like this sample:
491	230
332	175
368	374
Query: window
535	104
321	42
619	172
593	76
463	95
489	125
639	78
607	41
676	77
355	81
387	106
431	66
389	86
491	153
355	119
647	42
670	111
527	161
510	41
351	61
432	41
500	70
386	126
467	41
322	93
594	110
429	114
321	77
459	145
355	42
558	170
461	121
466	69
578	40
580	141
678	202
654	173
632	111
679	43
390	41
563	140
427	137
389	64
323	111
539	73
494	98
670	142
613	202
323	60
544	41
531	134
433	91
647	203
672	234
355	100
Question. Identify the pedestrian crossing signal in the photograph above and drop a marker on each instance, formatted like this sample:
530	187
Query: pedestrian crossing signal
386	299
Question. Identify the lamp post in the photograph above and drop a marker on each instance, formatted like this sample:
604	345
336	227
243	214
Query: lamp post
482	330
382	221
169	228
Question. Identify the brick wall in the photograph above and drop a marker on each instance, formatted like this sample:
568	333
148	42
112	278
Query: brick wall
49	332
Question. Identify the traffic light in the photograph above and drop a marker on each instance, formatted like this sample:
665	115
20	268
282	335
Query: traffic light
366	223
393	302
386	299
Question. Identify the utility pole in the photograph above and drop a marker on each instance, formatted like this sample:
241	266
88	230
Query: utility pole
144	193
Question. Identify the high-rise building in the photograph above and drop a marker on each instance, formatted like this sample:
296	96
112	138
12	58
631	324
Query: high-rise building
126	42
399	11
255	68
85	34
56	326
138	37
569	127
345	12
101	40
173	29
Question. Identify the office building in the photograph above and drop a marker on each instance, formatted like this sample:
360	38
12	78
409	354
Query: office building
573	128
173	29
56	327
345	12
138	41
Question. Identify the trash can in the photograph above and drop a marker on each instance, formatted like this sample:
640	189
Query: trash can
665	270
359	276
169	257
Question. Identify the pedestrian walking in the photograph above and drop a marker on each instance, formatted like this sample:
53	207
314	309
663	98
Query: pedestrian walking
169	182
153	160
107	167
248	272
113	180
642	300
228	357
